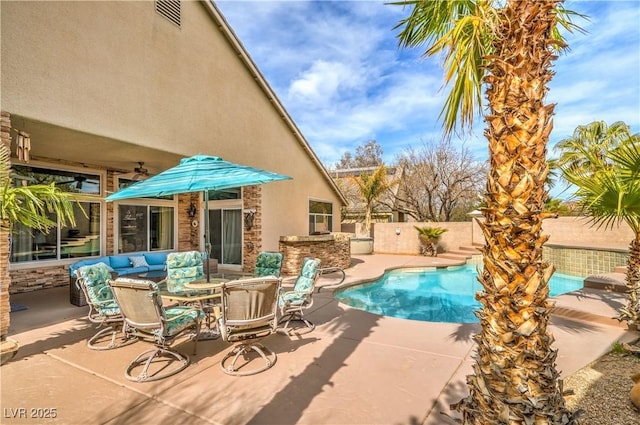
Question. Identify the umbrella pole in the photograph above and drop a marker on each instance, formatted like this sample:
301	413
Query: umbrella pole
207	236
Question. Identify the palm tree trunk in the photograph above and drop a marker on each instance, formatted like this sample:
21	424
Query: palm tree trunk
515	380
5	281
632	311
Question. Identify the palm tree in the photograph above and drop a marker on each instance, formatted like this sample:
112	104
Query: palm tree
372	187
590	143
609	190
508	47
30	206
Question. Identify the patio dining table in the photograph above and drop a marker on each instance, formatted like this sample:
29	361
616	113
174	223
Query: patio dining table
202	292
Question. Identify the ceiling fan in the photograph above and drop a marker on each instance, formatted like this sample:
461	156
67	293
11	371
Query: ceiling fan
141	173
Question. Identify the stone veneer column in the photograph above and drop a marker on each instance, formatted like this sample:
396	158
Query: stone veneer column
188	236
251	200
110	215
5	279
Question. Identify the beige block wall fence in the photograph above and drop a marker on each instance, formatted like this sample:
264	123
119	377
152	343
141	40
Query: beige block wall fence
575	247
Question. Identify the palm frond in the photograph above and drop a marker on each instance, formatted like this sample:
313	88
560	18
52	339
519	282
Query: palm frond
463	31
607	197
627	156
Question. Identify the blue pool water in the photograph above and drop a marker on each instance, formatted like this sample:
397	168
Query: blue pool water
432	295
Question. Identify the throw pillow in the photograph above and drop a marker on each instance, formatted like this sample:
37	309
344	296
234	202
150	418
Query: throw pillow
138	261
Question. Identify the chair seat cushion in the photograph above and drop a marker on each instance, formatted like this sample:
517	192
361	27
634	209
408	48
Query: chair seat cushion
292	298
175	326
109	309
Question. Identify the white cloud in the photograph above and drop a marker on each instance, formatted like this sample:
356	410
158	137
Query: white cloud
337	68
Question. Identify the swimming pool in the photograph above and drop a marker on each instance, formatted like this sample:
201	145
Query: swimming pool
432	295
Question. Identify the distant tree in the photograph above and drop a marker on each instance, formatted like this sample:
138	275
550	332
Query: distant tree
440	183
346	161
371	188
367	155
590	143
557	206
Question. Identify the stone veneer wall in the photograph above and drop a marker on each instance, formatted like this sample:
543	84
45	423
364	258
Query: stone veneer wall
187	233
251	200
333	250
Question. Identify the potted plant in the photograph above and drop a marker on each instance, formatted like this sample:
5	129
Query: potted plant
429	237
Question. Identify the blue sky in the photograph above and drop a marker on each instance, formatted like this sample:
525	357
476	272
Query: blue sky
337	68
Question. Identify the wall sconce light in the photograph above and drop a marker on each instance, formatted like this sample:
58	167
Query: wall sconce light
248	218
397	231
192	211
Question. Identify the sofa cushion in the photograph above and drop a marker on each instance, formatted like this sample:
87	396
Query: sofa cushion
119	261
131	270
157	267
156	258
138	261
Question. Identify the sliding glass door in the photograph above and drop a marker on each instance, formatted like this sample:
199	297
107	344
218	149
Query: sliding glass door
225	227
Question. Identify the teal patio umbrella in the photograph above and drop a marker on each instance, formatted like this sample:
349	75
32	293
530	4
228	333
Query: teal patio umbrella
199	173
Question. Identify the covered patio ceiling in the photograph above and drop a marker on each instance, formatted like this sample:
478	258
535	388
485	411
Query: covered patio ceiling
53	143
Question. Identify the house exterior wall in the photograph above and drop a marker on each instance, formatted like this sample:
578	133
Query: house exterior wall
117	75
180	90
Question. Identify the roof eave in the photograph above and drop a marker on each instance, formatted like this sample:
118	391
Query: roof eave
235	42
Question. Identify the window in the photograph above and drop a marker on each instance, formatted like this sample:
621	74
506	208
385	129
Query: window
225	194
145	228
320	217
60	242
124	182
68	181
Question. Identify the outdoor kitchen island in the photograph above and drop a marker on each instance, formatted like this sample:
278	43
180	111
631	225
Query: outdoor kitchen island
333	250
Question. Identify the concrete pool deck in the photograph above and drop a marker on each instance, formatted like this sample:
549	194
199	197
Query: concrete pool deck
354	368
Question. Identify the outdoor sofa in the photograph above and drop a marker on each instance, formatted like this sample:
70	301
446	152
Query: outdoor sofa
132	264
118	265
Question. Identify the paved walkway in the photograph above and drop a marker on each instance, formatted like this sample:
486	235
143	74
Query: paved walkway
354	368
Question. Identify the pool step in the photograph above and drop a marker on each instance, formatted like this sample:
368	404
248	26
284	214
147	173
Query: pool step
463	253
607	281
621	269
